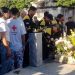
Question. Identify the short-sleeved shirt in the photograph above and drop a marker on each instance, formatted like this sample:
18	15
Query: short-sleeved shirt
70	25
2	25
4	28
17	29
28	22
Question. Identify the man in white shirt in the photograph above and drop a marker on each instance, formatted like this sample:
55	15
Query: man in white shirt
5	51
17	37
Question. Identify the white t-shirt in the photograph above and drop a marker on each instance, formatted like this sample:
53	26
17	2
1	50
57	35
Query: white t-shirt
4	28
17	29
8	20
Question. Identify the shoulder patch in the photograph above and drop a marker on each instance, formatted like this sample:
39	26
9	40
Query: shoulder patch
54	22
42	23
26	17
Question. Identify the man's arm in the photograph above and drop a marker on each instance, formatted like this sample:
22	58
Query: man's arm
6	44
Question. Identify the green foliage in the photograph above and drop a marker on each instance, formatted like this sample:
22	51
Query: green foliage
3	3
72	37
15	3
65	2
60	47
73	54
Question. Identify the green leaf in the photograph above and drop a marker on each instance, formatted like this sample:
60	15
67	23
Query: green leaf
20	4
65	2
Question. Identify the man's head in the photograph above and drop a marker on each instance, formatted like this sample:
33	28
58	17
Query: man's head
14	12
48	17
70	19
32	11
46	13
4	12
23	13
60	17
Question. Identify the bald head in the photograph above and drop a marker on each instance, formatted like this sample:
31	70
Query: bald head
23	13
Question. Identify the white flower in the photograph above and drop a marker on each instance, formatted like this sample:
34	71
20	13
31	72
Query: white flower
65	48
70	46
65	41
68	42
60	38
58	41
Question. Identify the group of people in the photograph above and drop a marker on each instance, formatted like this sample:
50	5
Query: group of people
54	29
15	27
12	39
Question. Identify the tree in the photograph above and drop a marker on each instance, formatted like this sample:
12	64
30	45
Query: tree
16	3
65	2
20	4
3	3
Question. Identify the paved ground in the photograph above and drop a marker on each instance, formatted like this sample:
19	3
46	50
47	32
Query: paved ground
47	69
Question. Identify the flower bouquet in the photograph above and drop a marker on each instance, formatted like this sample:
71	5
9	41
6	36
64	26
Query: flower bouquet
65	49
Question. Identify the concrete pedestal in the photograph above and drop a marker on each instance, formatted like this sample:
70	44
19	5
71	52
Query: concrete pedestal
35	49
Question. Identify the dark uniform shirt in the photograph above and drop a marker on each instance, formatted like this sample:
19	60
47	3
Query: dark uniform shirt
47	28
70	25
29	24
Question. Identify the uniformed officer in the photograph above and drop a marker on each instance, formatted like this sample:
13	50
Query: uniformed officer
46	27
30	25
61	25
70	25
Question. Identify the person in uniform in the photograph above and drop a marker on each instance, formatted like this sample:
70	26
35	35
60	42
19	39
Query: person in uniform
70	25
61	26
46	27
42	21
30	25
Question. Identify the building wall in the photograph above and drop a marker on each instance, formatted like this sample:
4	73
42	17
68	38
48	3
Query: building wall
68	12
55	11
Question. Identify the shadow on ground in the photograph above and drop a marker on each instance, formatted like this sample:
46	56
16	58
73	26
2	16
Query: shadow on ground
47	69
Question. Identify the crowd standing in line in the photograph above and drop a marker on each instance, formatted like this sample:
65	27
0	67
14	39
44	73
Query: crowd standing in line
15	27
